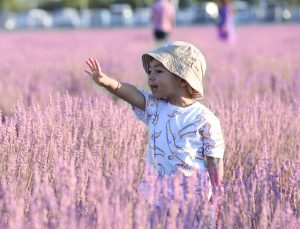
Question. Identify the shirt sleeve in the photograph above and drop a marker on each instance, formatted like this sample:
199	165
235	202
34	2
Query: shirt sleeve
212	138
140	114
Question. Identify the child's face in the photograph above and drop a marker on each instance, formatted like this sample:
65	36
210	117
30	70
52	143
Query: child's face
162	82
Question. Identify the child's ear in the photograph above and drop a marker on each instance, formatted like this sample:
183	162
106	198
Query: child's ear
183	83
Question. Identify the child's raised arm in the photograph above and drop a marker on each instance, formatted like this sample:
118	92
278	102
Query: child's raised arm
125	91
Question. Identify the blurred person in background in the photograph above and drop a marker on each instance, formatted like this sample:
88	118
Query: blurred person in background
163	20
185	137
225	25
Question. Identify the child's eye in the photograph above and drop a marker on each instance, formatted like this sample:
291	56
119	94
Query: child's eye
159	71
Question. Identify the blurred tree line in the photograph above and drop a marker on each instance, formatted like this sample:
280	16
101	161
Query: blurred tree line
16	5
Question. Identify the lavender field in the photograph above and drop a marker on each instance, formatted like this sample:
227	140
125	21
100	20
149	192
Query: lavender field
71	155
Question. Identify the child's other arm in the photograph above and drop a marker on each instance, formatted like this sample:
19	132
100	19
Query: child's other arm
215	170
125	91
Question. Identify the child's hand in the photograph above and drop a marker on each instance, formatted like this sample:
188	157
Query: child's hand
95	72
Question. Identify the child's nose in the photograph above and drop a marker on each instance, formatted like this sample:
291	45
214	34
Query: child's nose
151	76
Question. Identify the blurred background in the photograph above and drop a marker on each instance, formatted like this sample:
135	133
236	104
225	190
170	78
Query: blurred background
69	153
48	14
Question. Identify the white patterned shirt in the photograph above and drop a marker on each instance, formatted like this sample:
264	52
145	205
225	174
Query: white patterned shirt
180	137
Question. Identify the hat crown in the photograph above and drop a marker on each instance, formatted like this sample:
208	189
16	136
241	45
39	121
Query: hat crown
187	54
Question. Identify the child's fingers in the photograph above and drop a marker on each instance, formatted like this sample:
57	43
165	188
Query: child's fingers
97	66
88	72
89	64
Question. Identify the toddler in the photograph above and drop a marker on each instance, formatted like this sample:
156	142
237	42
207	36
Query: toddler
184	135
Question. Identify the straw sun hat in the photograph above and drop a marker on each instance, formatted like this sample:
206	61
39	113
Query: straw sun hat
182	59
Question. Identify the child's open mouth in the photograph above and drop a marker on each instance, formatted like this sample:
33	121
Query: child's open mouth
153	87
